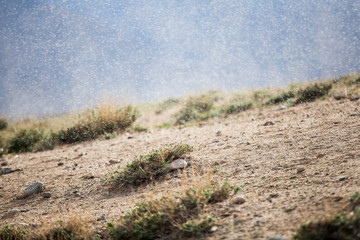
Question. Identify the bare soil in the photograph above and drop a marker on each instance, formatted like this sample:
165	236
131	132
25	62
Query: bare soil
295	164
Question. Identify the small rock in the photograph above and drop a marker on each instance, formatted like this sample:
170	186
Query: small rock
354	114
3	164
218	133
11	213
101	217
321	155
20	224
33	188
80	155
213	228
60	164
268	123
276	238
88	176
300	169
282	107
238	200
290	209
274	195
338	198
355	98
177	164
46	195
342	178
114	161
4	171
340	96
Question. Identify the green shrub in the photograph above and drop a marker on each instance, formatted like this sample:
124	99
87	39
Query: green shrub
221	193
98	124
167	104
24	140
12	232
196	108
313	92
170	218
139	128
147	167
197	227
343	226
3	123
280	98
236	108
355	200
185	115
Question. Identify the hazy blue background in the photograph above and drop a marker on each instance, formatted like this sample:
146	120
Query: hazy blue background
57	56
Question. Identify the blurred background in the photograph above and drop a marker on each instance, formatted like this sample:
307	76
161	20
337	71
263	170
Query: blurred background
60	56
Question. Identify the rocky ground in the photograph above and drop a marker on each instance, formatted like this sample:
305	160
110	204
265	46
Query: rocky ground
295	164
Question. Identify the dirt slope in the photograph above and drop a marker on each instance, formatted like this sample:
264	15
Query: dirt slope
306	157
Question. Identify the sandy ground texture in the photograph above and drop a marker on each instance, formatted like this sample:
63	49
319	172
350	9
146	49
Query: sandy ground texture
295	164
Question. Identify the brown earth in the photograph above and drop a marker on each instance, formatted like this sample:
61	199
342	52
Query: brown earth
306	157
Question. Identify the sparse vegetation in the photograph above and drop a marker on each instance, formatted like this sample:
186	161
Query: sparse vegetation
236	108
139	128
105	121
280	98
175	218
147	167
12	232
313	92
24	140
3	123
344	226
341	226
75	228
355	200
166	104
196	108
97	124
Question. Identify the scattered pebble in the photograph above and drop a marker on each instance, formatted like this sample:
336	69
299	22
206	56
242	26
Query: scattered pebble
276	238
11	213
60	164
338	198
101	217
218	133
177	164
114	161
355	98
213	228
3	164
88	176
300	169
33	188
238	200
282	107
342	178
340	97
4	171
46	195
274	195
268	123
290	209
